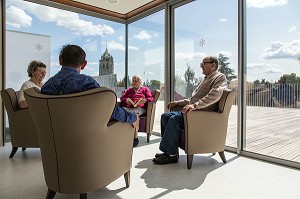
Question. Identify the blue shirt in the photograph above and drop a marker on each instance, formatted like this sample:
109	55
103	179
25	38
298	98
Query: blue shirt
68	80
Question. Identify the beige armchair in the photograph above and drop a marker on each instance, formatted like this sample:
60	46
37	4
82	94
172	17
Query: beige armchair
81	151
205	132
22	129
147	119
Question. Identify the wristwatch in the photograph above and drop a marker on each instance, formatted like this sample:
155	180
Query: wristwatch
195	105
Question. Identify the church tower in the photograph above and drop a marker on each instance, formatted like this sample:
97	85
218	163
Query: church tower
106	64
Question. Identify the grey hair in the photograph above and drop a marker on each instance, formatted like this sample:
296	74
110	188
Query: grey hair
138	77
33	66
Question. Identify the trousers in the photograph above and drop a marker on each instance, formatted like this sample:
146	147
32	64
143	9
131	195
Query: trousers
171	125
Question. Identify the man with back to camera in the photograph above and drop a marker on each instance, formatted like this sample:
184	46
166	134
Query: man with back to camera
69	80
205	97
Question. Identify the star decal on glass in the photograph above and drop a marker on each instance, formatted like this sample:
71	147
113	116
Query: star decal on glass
39	47
202	42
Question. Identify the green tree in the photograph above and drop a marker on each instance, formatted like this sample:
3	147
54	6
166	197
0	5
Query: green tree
154	84
289	79
224	68
121	83
189	77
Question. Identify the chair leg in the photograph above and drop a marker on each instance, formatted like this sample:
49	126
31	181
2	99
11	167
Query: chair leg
50	194
148	137
214	153
127	178
83	196
189	161
222	156
13	152
23	149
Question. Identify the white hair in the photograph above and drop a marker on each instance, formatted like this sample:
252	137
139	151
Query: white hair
138	77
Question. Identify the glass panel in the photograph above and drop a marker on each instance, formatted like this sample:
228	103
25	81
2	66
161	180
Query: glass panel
273	79
209	29
146	56
37	32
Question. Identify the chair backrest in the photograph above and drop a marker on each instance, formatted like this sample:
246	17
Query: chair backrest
155	94
226	97
22	129
80	152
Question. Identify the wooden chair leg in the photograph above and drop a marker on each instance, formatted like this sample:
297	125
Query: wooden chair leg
23	149
13	152
50	194
148	137
214	153
127	178
189	161
83	196
222	156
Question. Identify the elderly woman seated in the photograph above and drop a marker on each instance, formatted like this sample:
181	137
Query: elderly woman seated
36	71
135	99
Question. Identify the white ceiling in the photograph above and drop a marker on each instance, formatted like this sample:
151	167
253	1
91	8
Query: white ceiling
123	7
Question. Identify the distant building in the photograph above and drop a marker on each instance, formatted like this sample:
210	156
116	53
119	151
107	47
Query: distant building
106	77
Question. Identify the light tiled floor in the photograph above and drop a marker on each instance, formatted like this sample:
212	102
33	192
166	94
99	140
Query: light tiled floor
22	177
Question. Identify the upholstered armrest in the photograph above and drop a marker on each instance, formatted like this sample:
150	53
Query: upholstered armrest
209	128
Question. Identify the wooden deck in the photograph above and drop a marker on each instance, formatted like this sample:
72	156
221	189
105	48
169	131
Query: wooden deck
269	131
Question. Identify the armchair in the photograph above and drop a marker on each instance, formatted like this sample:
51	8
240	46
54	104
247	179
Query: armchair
205	132
22	129
81	150
147	119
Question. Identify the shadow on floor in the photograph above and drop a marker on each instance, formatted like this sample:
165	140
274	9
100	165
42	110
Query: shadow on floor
174	177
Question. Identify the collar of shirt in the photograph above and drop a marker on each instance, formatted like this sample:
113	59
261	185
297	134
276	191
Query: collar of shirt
211	74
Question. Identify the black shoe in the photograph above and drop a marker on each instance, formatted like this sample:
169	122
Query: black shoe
136	142
165	159
161	154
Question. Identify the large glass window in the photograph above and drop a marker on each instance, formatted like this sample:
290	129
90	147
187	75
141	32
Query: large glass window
146	56
37	32
206	28
273	79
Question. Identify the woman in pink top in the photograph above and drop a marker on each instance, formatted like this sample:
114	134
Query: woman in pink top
135	99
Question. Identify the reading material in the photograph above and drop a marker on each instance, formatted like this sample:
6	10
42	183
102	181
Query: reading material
134	104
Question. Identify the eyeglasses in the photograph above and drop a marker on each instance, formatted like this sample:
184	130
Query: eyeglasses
206	62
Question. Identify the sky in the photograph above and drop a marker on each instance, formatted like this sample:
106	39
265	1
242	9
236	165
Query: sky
273	37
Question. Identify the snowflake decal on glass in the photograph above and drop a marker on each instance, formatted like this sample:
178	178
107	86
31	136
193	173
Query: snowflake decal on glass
202	42
39	47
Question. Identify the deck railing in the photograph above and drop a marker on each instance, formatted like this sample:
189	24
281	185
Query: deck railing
272	95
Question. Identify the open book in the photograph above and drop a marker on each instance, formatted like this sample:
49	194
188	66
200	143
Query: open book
134	104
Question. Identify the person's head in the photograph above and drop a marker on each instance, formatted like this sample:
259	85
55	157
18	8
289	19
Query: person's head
36	70
136	81
209	65
72	56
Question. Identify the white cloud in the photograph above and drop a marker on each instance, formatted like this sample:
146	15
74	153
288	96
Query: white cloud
264	68
225	53
17	17
93	63
121	38
265	3
133	48
112	45
282	50
189	56
293	28
223	20
143	35
64	18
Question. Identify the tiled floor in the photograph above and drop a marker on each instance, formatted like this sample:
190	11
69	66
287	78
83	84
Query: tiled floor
22	177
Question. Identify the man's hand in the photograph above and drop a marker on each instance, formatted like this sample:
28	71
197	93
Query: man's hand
172	104
188	108
137	122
